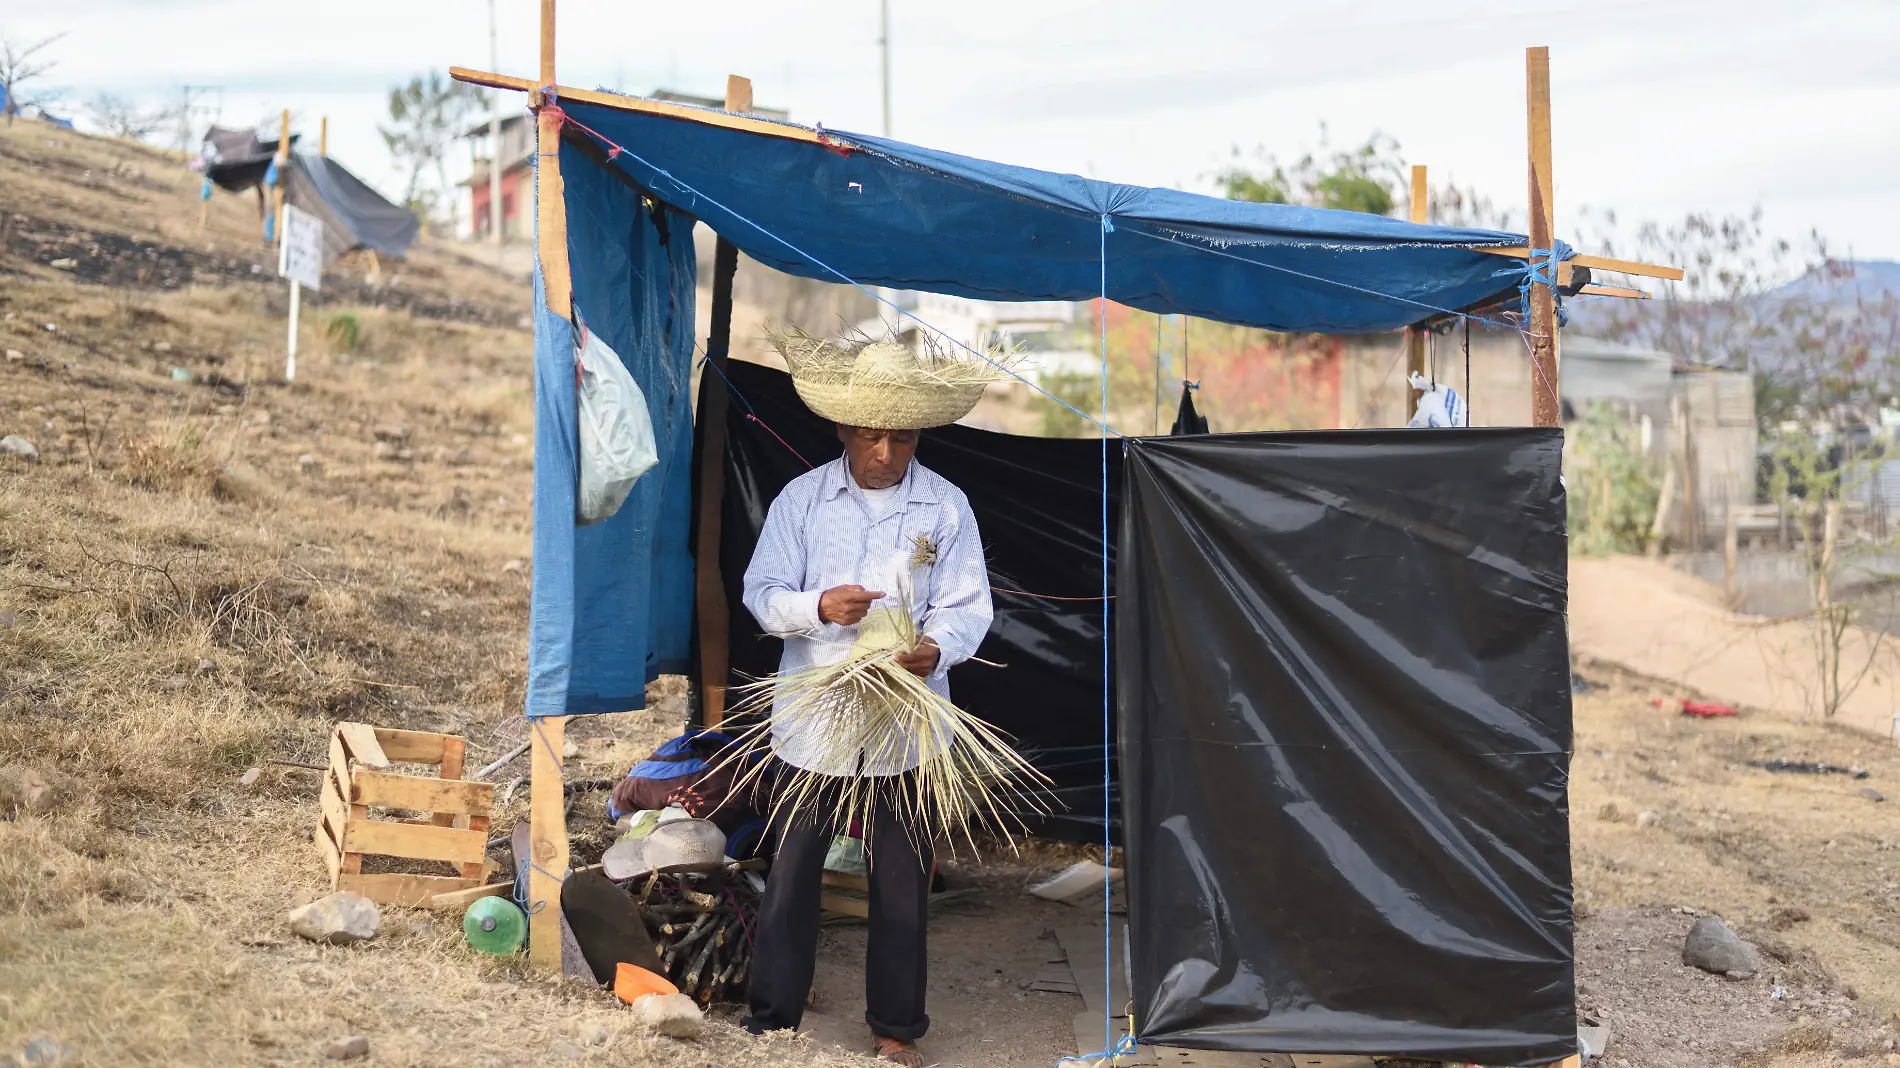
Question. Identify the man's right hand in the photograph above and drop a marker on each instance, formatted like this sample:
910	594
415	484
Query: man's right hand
846	605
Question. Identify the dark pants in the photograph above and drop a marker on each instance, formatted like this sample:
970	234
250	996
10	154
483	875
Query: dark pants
785	953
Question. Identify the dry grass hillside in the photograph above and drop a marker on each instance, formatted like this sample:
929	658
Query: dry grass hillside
204	570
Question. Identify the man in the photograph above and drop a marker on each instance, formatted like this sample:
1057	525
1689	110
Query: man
833	543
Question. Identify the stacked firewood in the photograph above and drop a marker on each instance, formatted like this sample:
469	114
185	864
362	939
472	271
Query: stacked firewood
702	926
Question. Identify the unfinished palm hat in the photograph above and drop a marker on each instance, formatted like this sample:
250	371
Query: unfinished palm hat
885	384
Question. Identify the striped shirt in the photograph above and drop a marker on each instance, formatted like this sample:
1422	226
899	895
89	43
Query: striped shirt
822	531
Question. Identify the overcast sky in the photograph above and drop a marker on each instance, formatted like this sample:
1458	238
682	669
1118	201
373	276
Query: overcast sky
1662	107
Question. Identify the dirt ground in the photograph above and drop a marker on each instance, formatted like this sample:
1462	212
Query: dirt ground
206	568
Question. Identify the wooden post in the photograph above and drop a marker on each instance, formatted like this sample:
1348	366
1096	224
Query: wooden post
1415	335
1659	528
547	829
1731	549
283	162
714	622
323	136
1546	407
550	202
547	811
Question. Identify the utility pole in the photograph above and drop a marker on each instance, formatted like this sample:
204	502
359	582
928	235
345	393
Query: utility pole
494	137
884	45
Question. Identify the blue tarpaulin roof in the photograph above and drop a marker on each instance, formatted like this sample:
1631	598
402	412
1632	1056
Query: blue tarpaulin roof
885	213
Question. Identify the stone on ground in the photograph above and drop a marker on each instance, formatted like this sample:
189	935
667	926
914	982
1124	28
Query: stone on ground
19	446
43	1052
672	1015
344	1049
339	919
1712	947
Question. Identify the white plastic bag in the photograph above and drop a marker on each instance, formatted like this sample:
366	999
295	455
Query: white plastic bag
616	432
1440	405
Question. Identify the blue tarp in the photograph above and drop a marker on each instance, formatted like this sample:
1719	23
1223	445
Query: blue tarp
886	213
612	604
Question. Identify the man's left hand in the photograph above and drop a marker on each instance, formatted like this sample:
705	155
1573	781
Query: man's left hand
922	660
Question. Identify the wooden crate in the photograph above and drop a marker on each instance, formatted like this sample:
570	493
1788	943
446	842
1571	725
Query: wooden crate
454	827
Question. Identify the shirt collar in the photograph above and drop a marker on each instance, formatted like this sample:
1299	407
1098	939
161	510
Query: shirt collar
920	480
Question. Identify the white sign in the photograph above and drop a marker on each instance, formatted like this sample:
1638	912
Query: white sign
300	253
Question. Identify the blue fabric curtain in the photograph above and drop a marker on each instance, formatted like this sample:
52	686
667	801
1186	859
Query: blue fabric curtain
612	603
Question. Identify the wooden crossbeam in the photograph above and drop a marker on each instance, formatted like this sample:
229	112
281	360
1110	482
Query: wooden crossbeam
644	106
1595	263
1613	291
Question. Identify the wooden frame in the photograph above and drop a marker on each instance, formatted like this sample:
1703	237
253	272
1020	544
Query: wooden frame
453	827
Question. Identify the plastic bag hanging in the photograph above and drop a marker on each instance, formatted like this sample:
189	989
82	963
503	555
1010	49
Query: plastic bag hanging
616	430
1438	406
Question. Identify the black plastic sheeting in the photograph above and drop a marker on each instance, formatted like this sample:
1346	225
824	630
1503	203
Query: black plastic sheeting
1345	734
1038	503
353	214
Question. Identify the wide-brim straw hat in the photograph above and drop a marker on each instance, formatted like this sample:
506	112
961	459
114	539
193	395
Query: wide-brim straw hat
886	385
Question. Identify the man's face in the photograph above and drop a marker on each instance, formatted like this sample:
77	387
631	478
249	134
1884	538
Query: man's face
878	458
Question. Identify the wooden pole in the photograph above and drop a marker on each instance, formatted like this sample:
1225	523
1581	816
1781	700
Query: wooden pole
1415	336
715	622
549	195
1546	408
323	136
547	812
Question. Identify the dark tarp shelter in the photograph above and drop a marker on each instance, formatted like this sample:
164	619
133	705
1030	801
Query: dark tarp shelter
1345	708
353	214
612	603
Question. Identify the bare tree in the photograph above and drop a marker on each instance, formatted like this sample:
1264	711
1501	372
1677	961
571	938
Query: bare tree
120	117
18	69
426	116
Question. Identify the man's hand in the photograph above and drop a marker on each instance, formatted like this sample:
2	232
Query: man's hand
922	660
846	605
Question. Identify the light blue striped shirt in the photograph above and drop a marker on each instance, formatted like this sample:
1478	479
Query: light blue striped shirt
822	531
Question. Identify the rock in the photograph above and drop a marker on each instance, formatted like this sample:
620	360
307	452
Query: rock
7	620
672	1015
308	464
592	1034
514	565
339	919
1739	975
24	789
1712	947
64	264
15	355
346	1049
162	346
570	751
394	432
19	446
250	776
1647	818
43	1052
1872	794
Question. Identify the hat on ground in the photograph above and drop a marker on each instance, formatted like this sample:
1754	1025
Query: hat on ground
888	385
678	845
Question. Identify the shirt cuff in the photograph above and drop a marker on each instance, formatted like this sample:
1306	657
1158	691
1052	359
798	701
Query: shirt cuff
942	670
802	609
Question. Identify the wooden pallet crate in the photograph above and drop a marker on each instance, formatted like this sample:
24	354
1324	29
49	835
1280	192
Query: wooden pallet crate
453	827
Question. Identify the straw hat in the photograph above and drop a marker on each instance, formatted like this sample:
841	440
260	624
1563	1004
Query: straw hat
887	385
677	845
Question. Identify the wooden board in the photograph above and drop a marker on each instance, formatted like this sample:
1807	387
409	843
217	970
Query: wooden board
409	891
332	859
547	841
450	797
454	752
360	740
846	881
414	747
416	841
644	106
339	763
463	898
336	811
1084	948
845	905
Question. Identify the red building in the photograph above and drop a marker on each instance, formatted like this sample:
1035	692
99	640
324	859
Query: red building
517	148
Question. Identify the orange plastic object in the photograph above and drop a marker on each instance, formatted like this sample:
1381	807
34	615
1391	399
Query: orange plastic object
632	981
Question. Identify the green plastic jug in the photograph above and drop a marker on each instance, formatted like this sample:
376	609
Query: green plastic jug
494	925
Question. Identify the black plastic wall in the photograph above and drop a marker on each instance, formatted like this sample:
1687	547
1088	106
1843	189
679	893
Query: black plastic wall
1345	734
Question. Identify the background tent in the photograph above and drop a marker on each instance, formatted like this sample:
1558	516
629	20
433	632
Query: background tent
353	214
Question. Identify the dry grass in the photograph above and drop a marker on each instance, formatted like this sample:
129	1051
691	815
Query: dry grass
201	574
